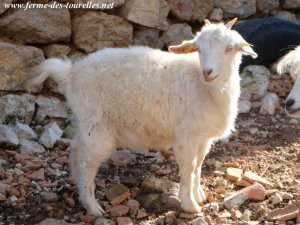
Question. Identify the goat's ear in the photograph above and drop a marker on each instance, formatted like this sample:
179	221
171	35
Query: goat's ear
184	47
246	49
231	23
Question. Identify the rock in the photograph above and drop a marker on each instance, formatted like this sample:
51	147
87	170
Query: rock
233	174
24	131
2	197
141	214
216	14
150	14
4	188
153	184
158	202
49	197
276	199
253	177
87	219
255	80
103	221
37	26
190	10
16	62
290	4
38	175
124	221
268	104
122	158
31	146
50	107
267	6
243	183
244	106
286	15
148	37
134	207
8	136
120	210
187	215
97	30
286	195
287	213
255	192
19	107
2	5
51	221
56	50
298	217
246	215
50	135
235	200
118	191
198	221
239	8
177	33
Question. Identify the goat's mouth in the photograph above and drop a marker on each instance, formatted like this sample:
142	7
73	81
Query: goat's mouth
209	78
293	113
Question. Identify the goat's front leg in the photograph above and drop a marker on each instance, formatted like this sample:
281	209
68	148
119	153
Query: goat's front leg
197	189
186	157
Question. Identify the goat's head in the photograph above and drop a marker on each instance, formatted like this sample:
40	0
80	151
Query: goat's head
219	48
290	63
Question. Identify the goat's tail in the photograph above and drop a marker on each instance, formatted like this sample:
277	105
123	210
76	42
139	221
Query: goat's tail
290	63
56	69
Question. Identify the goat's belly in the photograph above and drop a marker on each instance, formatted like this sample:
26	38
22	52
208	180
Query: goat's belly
142	138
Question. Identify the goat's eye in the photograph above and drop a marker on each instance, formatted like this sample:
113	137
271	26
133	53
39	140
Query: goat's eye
229	49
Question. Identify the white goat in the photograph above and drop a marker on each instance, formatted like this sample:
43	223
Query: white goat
143	98
291	63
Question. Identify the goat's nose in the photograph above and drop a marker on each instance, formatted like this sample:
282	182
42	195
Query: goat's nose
289	103
207	72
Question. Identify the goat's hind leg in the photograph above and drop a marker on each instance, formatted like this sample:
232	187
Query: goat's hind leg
85	161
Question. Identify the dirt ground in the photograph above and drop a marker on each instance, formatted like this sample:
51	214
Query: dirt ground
268	145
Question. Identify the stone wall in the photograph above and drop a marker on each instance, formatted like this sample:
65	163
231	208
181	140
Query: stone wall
27	37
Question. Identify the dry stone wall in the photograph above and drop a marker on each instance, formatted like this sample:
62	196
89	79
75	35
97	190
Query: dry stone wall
27	37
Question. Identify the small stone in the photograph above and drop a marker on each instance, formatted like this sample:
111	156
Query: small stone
163	172
286	195
287	213
233	174
246	215
268	104
243	183
244	106
118	191
8	136
124	221
141	214
24	131
37	175
236	214
188	215
153	184
120	210
276	199
70	202
31	146
253	177
49	197
214	207
51	221
134	207
2	197
235	200
216	14
298	217
220	190
177	33
122	158
255	192
51	134
56	50
87	218
104	221
198	221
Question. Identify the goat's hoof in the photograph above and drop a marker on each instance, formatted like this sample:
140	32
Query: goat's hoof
191	207
96	210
